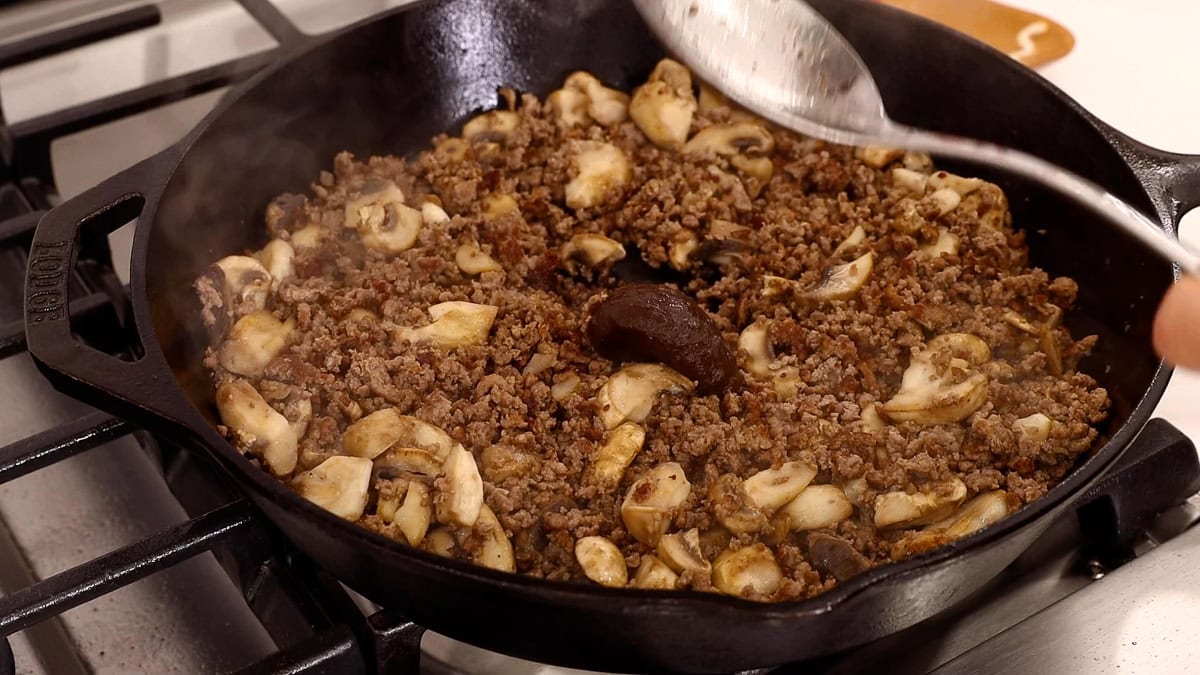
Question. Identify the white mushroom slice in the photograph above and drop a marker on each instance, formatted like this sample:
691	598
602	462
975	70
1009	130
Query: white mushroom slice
857	236
630	393
945	244
750	572
277	256
432	214
1036	426
606	106
733	138
946	200
366	211
877	156
683	244
455	324
844	281
565	388
308	236
601	170
816	507
724	229
855	490
539	363
1020	323
771	489
414	515
652	500
462	494
871	421
496	205
496	552
362	314
402	461
902	509
618	451
370	436
396	232
267	431
945	179
733	507
253	342
602	561
663	107
681	552
569	106
245	283
300	417
452	148
653	573
755	342
756	171
918	161
473	261
591	249
982	510
931	395
440	540
386	507
501	462
338	485
910	181
491	127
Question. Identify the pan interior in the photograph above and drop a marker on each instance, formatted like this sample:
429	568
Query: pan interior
389	85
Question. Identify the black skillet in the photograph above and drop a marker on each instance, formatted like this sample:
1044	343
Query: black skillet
389	84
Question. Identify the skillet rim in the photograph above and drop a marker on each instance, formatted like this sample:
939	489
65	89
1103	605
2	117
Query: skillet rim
581	595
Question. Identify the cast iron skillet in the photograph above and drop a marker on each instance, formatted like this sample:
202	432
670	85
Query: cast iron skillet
387	85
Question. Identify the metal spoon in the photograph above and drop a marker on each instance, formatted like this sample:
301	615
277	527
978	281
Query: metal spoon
783	60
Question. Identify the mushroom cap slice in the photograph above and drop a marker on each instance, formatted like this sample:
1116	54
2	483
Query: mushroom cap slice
1036	426
652	500
755	342
277	257
750	572
771	489
244	282
630	393
903	509
619	449
681	552
592	250
471	260
254	342
663	107
980	511
455	324
462	489
371	435
413	516
816	507
732	138
653	573
733	507
843	281
602	170
929	394
271	436
496	551
338	485
602	561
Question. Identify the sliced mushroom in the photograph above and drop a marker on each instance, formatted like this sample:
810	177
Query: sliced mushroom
412	518
367	209
308	236
253	342
462	489
495	126
756	172
500	462
432	214
602	561
683	244
244	283
473	261
440	540
497	205
963	186
981	511
565	388
945	244
267	432
758	357
370	436
933	394
496	551
946	200
903	509
663	107
856	490
838	283
592	250
732	138
401	461
601	171
910	181
857	236
834	555
455	324
619	449
682	553
877	156
630	393
733	508
918	161
569	106
771	489
539	363
871	421
362	314
653	573
396	233
338	485
652	500
1036	426
1020	323
816	507
606	106
750	572
276	257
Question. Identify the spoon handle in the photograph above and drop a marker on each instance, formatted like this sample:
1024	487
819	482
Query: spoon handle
1087	193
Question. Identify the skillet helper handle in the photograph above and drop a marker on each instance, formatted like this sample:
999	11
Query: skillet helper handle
130	389
1158	470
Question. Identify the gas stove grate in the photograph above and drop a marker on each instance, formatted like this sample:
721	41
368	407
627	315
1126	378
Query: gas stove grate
308	614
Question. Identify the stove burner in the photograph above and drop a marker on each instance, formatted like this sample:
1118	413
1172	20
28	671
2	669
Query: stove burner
316	621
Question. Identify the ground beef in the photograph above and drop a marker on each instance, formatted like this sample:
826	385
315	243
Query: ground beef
346	359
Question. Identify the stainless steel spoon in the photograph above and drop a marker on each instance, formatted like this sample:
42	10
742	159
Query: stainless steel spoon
783	60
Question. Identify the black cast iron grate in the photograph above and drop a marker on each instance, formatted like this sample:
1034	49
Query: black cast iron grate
308	614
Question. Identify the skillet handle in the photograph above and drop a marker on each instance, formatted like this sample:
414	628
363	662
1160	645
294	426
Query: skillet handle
141	390
1172	179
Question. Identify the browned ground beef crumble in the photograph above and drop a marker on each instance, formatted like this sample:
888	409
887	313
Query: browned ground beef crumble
849	353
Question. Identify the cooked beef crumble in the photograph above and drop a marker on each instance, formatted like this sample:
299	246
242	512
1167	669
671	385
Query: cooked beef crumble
904	376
